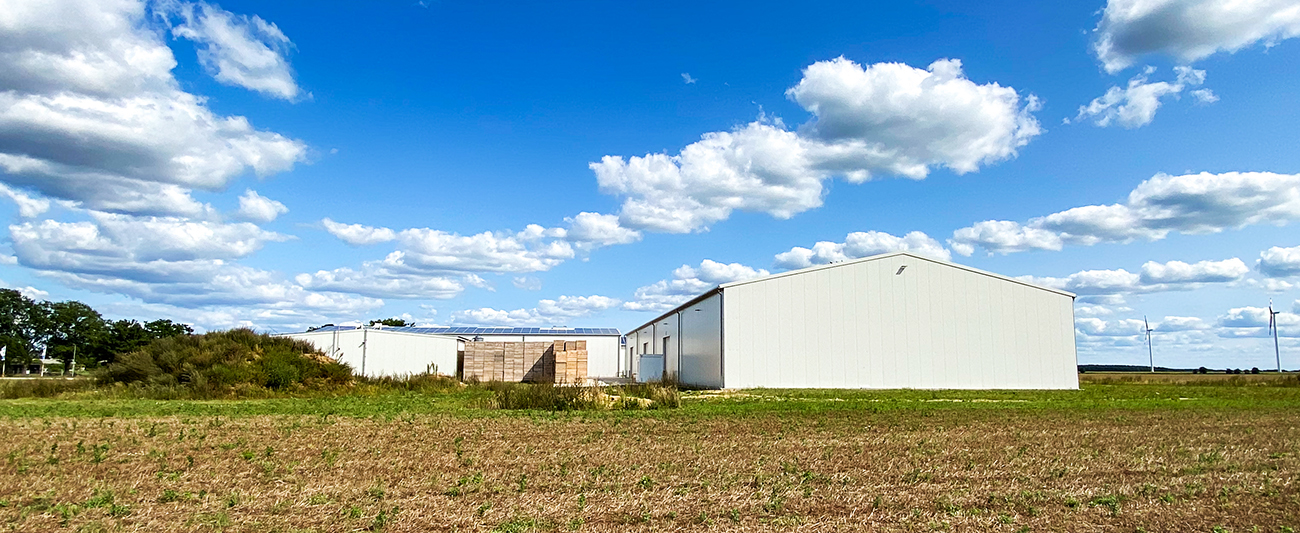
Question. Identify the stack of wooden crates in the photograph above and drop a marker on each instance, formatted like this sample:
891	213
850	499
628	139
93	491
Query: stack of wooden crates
534	362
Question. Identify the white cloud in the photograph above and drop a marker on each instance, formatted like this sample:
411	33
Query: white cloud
1278	262
258	208
238	50
902	120
166	260
686	77
592	230
1193	203
1178	272
89	112
438	264
883	118
384	279
1096	327
1205	96
357	234
1181	323
556	312
861	244
113	242
1153	277
1092	311
1135	105
689	282
528	283
1189	30
28	207
440	251
28	291
1253	322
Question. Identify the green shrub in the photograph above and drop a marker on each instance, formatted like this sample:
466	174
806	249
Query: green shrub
552	397
224	363
43	387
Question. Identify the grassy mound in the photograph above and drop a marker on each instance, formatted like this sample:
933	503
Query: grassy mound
236	362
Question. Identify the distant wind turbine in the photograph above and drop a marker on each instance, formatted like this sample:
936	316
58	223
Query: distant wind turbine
1151	358
1272	326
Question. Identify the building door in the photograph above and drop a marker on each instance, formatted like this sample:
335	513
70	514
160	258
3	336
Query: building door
665	352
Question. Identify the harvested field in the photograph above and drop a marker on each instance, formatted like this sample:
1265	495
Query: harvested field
1108	458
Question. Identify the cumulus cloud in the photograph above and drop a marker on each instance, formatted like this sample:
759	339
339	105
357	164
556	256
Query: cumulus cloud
28	207
1135	106
165	260
886	118
528	283
357	234
28	291
1193	204
688	282
1253	322
441	251
1278	262
1189	30
385	279
1096	327
1181	323
556	312
861	244
238	50
593	230
258	208
438	264
90	112
1153	277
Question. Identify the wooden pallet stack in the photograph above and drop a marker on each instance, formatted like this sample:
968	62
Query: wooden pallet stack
539	362
535	363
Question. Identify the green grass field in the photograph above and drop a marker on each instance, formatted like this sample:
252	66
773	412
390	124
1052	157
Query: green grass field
1141	454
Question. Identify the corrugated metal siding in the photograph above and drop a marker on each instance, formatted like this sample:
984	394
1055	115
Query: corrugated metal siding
387	353
701	344
934	326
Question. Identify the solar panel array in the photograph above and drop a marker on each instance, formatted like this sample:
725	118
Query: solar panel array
473	330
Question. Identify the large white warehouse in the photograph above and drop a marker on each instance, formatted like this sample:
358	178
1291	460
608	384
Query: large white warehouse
896	320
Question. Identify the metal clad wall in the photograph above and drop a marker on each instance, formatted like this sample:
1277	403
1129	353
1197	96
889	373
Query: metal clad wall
639	340
861	325
387	353
701	343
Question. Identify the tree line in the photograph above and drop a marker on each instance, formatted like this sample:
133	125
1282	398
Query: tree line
71	330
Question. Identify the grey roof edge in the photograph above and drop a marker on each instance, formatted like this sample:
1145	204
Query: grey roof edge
687	303
896	254
408	330
323	331
724	286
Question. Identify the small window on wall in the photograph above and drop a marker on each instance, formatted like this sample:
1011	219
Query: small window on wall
645	347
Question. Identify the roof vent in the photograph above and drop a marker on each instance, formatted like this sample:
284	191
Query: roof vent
900	270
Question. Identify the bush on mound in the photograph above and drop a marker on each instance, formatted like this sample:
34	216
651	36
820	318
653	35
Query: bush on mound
228	361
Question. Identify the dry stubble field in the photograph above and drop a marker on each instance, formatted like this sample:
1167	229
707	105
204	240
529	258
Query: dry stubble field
1133	457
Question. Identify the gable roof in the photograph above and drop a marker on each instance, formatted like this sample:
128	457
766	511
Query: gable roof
724	286
896	254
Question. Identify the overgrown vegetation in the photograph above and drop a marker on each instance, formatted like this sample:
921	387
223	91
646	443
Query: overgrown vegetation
552	397
233	363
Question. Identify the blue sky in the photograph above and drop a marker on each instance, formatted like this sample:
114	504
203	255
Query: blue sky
281	165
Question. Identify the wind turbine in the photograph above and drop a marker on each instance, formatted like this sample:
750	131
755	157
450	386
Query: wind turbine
1150	354
1272	326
